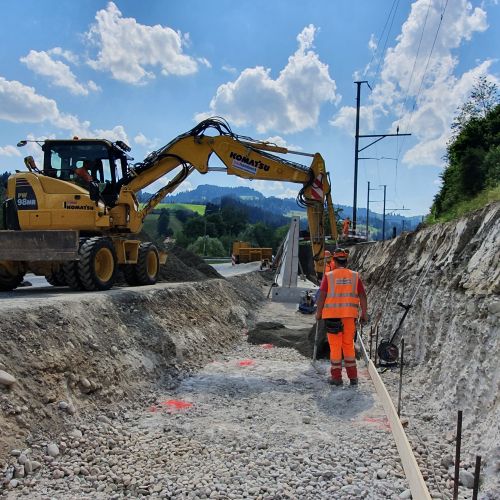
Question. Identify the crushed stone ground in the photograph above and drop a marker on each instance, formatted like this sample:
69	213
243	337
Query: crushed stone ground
263	424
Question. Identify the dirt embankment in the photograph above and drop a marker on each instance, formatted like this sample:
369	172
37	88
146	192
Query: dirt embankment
452	332
77	353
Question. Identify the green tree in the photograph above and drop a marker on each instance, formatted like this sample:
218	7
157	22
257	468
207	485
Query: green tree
483	99
234	216
206	246
473	162
162	226
194	227
258	235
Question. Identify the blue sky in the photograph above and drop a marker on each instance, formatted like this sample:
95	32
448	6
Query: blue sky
279	70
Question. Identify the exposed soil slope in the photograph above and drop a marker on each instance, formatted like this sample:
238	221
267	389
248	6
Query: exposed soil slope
83	351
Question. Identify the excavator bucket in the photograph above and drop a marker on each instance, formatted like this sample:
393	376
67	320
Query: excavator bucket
38	245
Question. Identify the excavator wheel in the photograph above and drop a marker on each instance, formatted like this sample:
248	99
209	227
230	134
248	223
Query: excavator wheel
148	264
9	281
97	264
56	278
129	272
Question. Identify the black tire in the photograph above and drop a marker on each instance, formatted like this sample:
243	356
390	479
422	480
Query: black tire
147	268
56	278
129	272
70	270
97	264
10	282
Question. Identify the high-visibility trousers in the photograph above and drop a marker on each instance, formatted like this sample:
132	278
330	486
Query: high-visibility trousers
343	343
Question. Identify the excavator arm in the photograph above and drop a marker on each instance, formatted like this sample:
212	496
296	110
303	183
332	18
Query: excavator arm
243	157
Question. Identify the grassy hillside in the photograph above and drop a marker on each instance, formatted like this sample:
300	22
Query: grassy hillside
199	209
461	208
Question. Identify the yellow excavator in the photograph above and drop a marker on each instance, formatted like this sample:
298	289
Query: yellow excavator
76	219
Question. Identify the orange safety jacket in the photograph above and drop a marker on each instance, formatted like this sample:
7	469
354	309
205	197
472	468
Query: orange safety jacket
330	266
342	299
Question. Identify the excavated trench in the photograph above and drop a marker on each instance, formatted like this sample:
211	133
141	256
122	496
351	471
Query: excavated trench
86	365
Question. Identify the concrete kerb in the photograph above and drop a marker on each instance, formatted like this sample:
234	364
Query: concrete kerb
418	487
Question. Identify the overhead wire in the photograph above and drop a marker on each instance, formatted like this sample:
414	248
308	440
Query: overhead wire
424	75
377	73
408	87
374	53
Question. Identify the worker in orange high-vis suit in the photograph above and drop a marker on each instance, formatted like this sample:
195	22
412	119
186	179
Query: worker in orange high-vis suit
341	294
329	264
345	227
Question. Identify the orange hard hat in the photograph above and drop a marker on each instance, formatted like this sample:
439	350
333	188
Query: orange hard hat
340	254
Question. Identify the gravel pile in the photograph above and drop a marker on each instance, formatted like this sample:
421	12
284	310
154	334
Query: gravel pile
258	422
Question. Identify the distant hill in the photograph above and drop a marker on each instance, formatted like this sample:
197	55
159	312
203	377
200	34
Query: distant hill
281	208
207	193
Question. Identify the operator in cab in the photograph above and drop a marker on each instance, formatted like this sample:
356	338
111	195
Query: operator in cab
82	173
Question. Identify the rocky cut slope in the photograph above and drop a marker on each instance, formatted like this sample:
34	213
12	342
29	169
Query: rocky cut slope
452	332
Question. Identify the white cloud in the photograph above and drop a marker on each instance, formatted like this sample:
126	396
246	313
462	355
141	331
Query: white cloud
64	54
117	133
142	140
58	72
290	103
21	104
282	143
441	92
229	69
346	119
126	48
372	43
9	151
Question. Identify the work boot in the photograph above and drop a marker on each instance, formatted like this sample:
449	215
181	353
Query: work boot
352	372
335	381
353	381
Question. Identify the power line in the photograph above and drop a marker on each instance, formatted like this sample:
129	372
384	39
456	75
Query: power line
417	54
380	37
386	40
425	72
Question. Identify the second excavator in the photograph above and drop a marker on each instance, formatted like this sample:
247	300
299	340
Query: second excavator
76	219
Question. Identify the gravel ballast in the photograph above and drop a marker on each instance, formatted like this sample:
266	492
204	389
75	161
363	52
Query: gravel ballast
256	422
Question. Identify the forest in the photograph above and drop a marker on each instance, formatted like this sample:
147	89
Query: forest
471	178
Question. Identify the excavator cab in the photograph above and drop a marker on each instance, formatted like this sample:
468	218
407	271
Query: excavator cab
105	163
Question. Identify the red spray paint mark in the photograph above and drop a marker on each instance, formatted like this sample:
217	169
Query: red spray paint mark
170	406
176	404
380	422
246	362
266	346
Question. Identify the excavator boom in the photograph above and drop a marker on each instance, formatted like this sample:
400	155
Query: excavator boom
243	157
